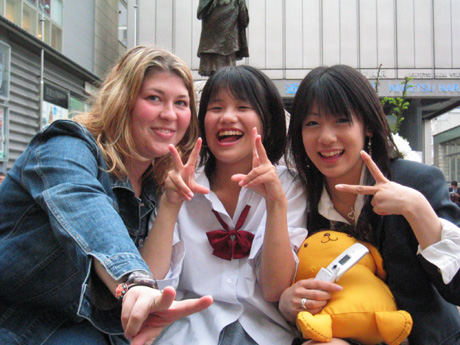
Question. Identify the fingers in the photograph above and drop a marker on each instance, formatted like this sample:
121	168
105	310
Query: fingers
357	189
263	158
177	161
317	293
178	310
191	306
181	179
376	173
198	188
260	173
176	182
160	319
137	305
313	284
146	335
193	159
373	168
164	300
255	155
145	325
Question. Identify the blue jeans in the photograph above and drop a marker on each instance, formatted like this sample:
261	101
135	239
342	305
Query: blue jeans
82	333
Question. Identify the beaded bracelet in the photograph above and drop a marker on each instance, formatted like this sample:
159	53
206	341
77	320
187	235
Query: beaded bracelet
121	291
136	278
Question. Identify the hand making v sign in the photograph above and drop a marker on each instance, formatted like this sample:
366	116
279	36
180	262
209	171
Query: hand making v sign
263	178
180	183
392	198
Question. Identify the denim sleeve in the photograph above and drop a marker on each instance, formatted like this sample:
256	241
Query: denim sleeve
64	178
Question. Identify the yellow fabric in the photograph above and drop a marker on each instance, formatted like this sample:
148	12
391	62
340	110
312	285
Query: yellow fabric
365	310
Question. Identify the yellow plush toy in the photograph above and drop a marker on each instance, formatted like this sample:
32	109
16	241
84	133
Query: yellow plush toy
365	310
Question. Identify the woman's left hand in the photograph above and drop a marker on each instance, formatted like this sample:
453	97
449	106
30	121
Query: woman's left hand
393	198
389	197
263	178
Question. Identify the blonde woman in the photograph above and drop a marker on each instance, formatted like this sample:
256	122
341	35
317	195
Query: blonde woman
75	206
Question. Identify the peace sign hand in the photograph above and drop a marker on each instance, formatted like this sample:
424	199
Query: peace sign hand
389	197
263	178
180	182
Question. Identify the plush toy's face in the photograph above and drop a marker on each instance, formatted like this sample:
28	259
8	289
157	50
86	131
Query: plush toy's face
320	249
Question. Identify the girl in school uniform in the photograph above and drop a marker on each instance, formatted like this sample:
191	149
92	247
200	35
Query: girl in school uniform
242	220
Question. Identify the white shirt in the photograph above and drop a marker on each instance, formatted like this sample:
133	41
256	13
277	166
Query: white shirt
444	254
234	285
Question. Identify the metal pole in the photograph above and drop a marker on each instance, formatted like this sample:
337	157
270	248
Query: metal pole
42	64
135	23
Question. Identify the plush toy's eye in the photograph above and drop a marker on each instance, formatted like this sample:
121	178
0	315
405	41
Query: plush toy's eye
305	245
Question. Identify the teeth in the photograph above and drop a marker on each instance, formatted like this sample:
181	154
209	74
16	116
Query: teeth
226	133
165	130
330	154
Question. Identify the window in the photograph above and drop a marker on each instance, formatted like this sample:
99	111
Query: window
56	37
77	105
36	16
122	23
56	12
29	19
449	160
3	142
13	11
5	54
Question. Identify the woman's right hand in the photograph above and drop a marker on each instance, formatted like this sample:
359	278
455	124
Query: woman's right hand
316	292
180	182
147	311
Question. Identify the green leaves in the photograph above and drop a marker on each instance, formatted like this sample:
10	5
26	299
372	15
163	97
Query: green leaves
396	105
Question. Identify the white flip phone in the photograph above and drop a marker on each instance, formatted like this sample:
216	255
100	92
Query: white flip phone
342	263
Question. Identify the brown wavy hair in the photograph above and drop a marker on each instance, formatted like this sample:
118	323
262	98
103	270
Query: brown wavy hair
109	118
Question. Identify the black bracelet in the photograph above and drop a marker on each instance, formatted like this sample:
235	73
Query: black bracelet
141	278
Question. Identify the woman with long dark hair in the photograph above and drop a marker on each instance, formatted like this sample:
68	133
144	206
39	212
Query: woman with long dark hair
356	182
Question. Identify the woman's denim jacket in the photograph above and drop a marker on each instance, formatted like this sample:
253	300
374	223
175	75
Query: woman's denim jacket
59	209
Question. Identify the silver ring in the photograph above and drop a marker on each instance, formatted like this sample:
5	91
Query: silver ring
303	303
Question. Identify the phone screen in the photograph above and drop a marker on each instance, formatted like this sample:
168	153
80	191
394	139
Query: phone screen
344	259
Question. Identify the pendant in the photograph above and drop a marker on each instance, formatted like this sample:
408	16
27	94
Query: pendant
351	214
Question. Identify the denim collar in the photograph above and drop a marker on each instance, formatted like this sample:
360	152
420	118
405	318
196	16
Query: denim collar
149	187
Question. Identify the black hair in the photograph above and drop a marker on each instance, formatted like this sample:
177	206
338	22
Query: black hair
249	84
338	91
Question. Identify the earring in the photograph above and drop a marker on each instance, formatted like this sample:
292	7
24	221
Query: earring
307	162
369	145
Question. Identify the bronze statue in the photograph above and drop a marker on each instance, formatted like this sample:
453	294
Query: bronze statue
223	34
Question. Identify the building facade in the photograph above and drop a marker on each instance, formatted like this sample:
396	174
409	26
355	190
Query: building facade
288	38
50	76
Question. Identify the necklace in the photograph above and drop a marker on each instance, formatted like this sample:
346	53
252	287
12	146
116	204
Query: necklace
351	214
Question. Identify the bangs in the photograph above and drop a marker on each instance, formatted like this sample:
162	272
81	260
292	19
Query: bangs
239	83
330	100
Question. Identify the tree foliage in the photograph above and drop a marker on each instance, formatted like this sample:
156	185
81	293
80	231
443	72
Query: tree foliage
397	105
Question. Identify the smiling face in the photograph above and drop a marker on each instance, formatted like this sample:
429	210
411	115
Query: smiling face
333	144
228	125
160	115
